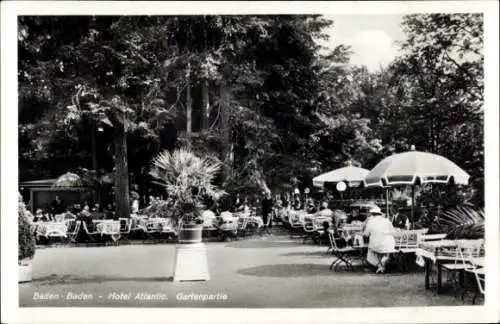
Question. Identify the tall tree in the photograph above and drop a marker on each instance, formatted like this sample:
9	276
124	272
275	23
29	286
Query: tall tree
440	76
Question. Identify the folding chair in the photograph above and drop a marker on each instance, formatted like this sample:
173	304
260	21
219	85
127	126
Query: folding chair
228	227
464	250
59	218
241	228
479	275
309	229
73	228
407	243
90	235
166	227
344	254
125	227
151	229
468	251
297	227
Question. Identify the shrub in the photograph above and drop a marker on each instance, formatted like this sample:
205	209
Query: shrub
26	237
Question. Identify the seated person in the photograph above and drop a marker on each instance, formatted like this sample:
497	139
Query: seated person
109	213
339	218
84	216
297	204
38	216
325	211
29	215
379	230
311	208
401	220
46	217
95	214
245	207
135	206
209	218
69	215
237	203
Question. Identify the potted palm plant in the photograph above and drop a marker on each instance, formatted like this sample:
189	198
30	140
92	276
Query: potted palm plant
188	178
26	240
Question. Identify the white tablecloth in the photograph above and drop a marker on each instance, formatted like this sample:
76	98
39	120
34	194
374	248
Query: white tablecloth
108	227
159	224
52	229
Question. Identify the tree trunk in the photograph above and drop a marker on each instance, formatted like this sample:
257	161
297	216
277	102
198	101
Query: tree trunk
95	190
93	143
205	105
224	125
189	103
121	172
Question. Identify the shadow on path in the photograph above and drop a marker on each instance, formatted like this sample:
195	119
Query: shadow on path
69	279
257	244
287	270
310	254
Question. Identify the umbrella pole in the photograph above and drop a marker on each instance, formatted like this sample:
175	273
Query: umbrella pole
412	204
387	203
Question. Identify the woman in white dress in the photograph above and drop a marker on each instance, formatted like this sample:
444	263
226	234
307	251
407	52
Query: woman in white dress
380	231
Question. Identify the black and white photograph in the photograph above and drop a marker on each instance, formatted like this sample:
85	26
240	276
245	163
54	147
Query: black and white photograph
320	159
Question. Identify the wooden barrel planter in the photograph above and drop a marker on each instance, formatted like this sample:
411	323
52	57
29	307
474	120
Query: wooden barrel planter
190	233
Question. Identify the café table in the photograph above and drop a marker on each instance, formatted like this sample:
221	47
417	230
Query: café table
478	261
435	253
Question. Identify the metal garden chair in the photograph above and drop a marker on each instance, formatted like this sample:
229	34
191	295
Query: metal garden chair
345	255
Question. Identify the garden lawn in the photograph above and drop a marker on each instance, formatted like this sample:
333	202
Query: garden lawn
264	272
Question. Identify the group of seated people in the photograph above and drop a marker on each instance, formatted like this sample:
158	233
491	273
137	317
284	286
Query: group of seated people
73	212
378	230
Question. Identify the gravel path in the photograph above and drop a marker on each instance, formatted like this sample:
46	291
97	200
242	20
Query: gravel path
266	272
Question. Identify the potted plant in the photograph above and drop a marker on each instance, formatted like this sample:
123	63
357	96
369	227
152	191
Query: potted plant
188	178
26	241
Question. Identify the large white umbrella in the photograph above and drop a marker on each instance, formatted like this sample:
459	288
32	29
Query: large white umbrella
350	174
413	168
68	181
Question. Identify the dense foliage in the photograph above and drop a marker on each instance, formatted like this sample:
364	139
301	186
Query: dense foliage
110	93
463	223
26	238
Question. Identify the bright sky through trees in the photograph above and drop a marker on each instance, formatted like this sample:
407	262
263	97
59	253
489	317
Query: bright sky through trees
372	37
